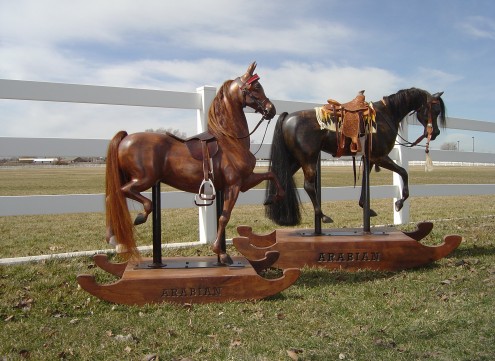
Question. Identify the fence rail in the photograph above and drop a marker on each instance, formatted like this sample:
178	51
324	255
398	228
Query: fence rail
199	100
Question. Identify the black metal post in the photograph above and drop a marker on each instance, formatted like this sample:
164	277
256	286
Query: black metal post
157	226
318	194
366	192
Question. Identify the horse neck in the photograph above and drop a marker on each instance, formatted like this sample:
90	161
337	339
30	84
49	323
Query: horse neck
229	123
399	110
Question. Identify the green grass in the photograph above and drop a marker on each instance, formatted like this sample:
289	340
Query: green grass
440	312
47	234
72	180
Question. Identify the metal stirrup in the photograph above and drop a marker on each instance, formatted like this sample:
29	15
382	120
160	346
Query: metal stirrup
206	194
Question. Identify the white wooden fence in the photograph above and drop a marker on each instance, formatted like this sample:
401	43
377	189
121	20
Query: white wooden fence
199	100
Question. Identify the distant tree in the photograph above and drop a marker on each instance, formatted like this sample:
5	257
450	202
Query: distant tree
449	146
162	130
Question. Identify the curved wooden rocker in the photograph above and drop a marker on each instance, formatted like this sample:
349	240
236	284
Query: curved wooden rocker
139	285
117	269
383	249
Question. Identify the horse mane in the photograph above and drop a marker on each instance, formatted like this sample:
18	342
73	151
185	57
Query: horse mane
217	111
404	99
442	115
415	97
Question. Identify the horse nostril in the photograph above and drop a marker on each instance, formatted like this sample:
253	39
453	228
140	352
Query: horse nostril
270	112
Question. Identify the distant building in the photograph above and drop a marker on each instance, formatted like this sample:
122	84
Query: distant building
32	160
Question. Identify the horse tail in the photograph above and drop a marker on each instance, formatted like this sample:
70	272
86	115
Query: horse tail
284	212
118	217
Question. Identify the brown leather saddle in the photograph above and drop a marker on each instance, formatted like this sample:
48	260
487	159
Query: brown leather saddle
203	147
352	119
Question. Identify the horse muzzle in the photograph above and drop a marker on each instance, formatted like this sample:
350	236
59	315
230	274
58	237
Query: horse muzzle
430	132
434	134
269	111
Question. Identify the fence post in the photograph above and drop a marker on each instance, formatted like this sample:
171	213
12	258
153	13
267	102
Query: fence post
402	160
207	215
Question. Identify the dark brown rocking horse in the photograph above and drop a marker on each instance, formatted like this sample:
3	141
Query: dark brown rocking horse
298	140
138	161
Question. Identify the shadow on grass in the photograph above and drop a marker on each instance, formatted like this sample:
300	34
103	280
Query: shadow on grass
475	251
314	277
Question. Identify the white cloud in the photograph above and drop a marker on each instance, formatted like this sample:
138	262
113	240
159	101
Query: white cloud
221	25
316	82
40	63
479	27
434	80
176	75
298	37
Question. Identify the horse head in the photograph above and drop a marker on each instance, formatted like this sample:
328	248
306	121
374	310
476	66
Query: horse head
252	93
429	113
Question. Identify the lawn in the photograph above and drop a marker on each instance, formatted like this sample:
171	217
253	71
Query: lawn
440	312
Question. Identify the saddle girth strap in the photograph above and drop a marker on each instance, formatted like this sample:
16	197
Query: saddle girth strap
206	160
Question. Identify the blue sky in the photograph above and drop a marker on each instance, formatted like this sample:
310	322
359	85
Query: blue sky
305	50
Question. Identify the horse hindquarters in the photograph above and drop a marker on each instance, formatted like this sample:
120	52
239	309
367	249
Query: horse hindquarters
286	211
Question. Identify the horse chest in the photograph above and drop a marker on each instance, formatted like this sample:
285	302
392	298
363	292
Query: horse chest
238	163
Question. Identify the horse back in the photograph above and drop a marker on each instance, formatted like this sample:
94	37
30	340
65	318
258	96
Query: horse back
147	152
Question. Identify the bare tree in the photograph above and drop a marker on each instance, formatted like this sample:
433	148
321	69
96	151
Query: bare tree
449	146
162	130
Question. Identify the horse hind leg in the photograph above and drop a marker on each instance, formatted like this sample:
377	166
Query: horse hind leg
387	163
219	246
110	237
310	188
361	198
132	191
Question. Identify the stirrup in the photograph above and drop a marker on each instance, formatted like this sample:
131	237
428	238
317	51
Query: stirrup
206	194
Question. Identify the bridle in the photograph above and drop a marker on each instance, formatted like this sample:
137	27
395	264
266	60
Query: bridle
245	87
429	127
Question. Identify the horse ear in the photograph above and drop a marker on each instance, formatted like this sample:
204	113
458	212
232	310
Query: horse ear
437	95
251	68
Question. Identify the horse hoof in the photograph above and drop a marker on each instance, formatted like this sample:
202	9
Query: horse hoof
326	219
112	241
373	213
140	219
225	259
398	205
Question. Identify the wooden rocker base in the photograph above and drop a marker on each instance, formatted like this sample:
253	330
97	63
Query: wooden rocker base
349	249
187	280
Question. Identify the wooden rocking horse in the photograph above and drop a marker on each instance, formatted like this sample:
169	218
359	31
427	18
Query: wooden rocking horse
217	160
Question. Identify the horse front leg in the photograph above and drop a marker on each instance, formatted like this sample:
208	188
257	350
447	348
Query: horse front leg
256	178
310	188
389	164
219	247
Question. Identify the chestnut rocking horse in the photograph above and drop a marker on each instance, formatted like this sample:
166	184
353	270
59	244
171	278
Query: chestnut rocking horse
138	161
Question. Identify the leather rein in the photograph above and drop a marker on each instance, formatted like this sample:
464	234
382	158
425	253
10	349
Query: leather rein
429	128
